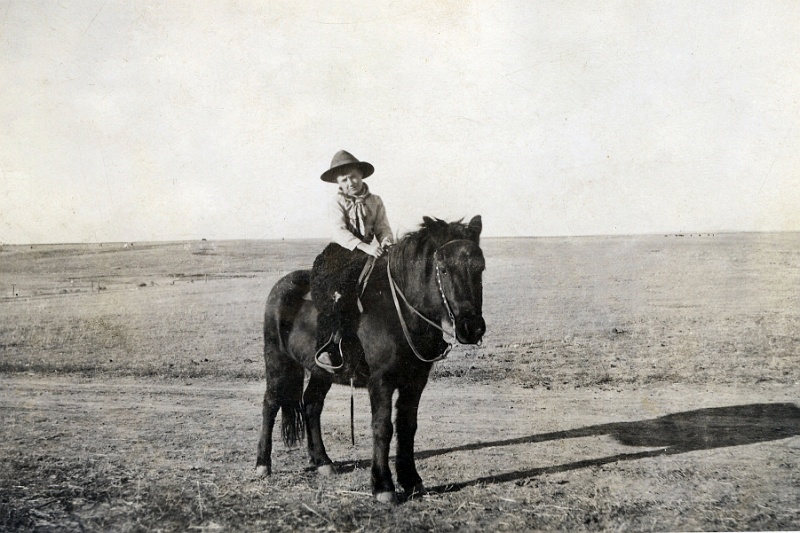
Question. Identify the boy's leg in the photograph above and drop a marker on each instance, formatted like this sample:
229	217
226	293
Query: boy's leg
328	336
337	327
323	291
334	283
349	314
337	331
327	329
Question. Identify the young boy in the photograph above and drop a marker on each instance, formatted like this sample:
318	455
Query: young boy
360	229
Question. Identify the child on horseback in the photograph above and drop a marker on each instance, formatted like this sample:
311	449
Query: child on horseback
360	230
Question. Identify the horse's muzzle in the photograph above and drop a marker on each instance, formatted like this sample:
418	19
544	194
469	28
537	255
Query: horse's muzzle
470	330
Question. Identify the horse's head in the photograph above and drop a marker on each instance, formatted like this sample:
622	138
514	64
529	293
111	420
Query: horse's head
458	268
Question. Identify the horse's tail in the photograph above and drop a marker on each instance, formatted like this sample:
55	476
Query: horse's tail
293	423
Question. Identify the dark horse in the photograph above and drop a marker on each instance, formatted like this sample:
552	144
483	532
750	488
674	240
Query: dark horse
432	276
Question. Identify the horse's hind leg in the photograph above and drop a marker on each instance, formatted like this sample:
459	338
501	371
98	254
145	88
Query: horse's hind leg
284	387
406	427
313	401
264	458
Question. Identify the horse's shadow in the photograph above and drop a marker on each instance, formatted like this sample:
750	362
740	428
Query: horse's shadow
701	429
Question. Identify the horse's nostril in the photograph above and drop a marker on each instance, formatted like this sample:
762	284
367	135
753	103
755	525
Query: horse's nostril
474	328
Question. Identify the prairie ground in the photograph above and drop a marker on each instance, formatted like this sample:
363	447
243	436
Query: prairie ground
625	383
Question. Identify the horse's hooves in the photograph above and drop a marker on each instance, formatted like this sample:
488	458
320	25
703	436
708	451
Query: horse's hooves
326	470
262	471
417	492
387	497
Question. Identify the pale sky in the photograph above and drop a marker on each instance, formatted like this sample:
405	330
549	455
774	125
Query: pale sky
139	120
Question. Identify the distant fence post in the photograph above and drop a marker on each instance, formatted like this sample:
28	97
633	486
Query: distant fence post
13	289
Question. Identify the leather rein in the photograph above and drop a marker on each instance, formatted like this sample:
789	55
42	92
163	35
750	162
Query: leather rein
396	290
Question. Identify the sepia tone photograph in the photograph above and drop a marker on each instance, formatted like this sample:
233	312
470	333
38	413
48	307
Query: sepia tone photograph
399	266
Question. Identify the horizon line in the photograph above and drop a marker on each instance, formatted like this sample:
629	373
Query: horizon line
499	237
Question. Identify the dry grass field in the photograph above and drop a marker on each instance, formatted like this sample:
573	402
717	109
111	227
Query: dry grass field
625	383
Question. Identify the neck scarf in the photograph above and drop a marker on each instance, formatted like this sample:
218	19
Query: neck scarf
357	210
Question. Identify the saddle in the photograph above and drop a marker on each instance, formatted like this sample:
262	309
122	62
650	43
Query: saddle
361	285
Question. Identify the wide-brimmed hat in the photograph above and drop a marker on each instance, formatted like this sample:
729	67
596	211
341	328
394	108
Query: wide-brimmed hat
341	161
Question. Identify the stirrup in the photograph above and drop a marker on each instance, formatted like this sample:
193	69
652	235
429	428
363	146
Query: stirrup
330	368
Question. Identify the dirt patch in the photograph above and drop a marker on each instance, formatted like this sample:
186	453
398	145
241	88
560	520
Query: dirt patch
131	454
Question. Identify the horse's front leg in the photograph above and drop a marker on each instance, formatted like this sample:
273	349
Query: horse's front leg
380	397
406	421
313	402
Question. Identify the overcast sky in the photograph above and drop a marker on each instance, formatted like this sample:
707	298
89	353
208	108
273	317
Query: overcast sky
134	120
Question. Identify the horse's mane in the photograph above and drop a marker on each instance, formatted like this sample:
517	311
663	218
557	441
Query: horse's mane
432	234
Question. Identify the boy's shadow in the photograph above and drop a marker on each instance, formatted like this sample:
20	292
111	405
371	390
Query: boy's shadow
701	429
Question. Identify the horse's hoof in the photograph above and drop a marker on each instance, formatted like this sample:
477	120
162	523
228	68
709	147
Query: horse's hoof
387	497
326	470
262	471
417	492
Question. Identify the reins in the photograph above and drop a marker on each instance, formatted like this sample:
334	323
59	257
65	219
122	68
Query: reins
396	290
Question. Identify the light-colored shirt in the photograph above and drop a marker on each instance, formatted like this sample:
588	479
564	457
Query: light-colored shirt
376	224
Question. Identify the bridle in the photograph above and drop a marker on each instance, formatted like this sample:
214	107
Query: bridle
396	290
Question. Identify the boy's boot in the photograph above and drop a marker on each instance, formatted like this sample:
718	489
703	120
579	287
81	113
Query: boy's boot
350	346
329	339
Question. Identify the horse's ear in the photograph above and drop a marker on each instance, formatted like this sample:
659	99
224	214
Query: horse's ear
434	225
476	225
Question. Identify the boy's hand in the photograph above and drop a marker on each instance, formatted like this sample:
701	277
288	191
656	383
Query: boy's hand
375	250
